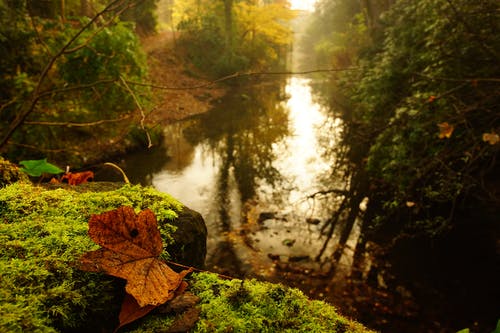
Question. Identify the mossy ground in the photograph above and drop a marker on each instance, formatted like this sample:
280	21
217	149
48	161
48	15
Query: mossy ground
253	306
43	232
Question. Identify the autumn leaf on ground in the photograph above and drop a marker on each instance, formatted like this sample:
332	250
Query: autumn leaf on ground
131	245
445	130
492	138
131	311
77	178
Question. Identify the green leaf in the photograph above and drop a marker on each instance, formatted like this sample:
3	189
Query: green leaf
465	330
36	168
497	329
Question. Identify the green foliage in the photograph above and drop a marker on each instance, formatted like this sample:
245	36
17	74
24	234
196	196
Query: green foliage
434	66
256	38
336	33
83	86
144	15
36	168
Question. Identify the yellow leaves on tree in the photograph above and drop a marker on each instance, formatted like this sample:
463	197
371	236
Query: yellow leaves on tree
131	245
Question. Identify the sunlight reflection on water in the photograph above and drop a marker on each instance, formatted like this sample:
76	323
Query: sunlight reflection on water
195	175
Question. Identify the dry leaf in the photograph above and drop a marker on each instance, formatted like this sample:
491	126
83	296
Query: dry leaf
131	245
131	311
77	178
492	138
445	130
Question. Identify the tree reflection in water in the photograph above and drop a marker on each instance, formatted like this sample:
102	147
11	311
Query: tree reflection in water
241	131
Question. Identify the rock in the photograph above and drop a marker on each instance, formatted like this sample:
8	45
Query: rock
190	246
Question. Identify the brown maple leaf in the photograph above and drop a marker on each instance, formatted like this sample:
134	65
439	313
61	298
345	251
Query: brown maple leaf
131	245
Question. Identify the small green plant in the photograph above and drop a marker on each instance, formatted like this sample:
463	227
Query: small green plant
36	168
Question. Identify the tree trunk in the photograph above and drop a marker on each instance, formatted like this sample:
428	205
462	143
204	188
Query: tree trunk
63	10
85	8
228	16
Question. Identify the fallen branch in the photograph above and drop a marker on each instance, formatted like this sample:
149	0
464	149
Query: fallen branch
237	75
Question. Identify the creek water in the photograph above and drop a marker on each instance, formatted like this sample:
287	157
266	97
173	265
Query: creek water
249	166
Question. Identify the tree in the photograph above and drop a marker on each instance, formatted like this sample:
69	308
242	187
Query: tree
233	35
67	77
427	99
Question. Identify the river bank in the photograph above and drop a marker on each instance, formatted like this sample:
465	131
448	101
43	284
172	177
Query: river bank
179	90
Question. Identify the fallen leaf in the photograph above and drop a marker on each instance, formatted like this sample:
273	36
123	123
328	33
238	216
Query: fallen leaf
445	130
131	311
131	245
77	178
492	138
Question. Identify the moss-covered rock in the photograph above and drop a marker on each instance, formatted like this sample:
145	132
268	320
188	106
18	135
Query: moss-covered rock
42	234
44	231
10	173
253	306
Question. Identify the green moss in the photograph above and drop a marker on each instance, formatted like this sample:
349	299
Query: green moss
10	173
252	306
42	233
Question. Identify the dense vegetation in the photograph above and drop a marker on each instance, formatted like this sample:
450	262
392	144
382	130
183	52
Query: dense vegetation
65	67
234	35
423	105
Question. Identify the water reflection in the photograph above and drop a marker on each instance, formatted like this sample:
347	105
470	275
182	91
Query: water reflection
255	154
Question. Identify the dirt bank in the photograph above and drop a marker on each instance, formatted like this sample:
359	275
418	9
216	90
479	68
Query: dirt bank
168	67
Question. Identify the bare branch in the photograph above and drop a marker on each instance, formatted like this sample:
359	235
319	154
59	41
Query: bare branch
143	116
71	124
237	74
469	80
325	192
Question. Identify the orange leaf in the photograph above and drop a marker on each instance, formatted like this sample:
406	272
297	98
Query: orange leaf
445	130
131	245
131	311
77	178
431	98
492	138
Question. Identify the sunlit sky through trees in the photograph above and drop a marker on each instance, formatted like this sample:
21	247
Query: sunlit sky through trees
303	4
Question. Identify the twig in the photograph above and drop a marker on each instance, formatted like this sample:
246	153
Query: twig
70	124
143	116
199	270
325	192
470	80
125	178
237	74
